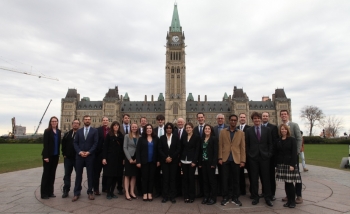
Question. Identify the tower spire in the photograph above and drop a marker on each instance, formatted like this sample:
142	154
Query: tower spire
175	22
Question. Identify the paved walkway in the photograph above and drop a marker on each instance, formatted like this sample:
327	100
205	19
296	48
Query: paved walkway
325	190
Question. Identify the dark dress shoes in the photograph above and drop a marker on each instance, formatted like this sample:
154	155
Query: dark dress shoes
164	200
91	196
273	198
255	201
65	194
211	202
269	203
173	200
97	193
52	196
75	198
44	197
286	204
205	200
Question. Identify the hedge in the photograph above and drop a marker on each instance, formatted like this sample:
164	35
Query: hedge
36	140
320	140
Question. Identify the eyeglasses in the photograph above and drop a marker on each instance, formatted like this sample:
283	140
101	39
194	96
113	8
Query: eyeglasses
220	118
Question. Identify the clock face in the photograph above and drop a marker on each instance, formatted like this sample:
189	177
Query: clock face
175	38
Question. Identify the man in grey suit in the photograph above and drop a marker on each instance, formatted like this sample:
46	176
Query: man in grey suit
85	143
294	132
220	119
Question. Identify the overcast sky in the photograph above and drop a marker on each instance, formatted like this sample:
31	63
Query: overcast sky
301	46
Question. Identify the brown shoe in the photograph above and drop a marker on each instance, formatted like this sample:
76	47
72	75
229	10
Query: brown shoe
75	198
91	197
97	193
305	170
285	199
299	200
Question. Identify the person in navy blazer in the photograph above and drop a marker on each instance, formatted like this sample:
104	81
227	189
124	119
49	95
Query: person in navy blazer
169	149
259	147
85	145
50	153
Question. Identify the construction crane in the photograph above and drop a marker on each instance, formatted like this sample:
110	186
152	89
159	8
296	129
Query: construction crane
27	73
36	131
12	134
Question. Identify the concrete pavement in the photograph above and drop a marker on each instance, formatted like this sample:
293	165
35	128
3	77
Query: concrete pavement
325	190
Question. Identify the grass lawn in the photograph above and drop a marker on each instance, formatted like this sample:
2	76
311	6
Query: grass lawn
20	156
328	155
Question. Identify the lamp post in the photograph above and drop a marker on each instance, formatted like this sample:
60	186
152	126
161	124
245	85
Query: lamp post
324	134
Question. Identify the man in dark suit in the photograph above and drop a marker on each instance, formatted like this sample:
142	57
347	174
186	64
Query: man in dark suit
294	132
242	185
160	131
180	132
85	143
143	122
220	119
259	150
69	155
102	133
274	134
199	131
125	127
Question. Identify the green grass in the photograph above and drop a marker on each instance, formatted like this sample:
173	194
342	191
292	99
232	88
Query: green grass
20	156
24	156
328	155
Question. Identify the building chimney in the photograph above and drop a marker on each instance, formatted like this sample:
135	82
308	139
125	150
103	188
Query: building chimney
152	98
273	97
199	98
145	98
205	98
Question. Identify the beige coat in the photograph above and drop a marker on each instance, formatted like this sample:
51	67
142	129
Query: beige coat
236	146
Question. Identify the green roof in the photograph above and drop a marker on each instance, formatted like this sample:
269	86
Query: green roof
160	97
190	97
225	96
175	22
126	96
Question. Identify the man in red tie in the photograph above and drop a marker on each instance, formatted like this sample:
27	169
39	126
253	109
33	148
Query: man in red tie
259	151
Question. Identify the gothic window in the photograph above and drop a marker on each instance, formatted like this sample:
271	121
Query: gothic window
179	56
172	76
175	108
178	76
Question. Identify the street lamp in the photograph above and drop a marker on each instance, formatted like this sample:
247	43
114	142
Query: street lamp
324	135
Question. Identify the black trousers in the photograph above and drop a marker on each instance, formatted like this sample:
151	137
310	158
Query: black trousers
169	179
148	171
188	181
230	167
200	181
158	181
178	181
110	186
80	162
255	166
139	181
298	186
98	166
209	181
290	192
49	175
218	180
69	164
272	178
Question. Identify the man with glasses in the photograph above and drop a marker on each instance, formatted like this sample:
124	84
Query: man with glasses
69	154
232	157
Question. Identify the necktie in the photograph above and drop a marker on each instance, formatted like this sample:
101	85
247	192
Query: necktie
86	132
241	128
179	133
258	132
200	130
126	130
160	132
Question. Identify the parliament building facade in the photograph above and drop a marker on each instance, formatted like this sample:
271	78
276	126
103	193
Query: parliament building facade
174	103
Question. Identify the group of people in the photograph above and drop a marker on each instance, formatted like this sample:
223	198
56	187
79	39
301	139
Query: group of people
167	156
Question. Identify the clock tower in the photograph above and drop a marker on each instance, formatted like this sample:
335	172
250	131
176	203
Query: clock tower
175	71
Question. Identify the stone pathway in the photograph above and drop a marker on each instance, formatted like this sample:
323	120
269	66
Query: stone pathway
325	190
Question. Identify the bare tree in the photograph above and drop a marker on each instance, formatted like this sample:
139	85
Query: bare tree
313	115
332	125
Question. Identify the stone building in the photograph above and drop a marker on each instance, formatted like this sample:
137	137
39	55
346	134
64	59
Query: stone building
174	103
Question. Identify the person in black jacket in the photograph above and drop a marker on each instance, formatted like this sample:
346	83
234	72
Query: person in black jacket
189	158
113	157
208	158
50	155
69	154
169	149
147	160
286	154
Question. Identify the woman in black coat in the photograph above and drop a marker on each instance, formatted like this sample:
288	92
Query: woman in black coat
190	147
286	154
208	158
50	153
169	149
146	159
113	156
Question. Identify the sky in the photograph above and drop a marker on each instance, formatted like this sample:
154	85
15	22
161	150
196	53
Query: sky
301	46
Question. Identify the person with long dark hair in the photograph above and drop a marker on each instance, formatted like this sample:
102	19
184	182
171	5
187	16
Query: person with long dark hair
113	157
189	158
208	158
131	171
169	149
286	154
50	155
147	160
